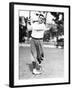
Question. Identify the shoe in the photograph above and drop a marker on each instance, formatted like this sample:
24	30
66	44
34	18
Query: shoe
36	72
40	67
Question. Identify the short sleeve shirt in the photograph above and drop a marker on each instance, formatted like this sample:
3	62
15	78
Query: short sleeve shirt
38	30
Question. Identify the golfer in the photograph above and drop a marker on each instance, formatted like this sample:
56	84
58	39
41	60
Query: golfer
37	54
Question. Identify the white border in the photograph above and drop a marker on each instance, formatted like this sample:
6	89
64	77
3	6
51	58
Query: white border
16	45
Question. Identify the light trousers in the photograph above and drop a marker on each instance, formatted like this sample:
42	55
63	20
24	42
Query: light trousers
36	49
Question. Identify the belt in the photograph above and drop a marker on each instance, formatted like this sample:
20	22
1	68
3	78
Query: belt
37	38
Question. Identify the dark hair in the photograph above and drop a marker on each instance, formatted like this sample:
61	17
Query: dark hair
41	15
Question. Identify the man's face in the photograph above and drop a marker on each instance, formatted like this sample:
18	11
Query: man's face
40	19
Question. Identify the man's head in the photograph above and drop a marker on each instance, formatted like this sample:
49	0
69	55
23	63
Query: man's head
41	18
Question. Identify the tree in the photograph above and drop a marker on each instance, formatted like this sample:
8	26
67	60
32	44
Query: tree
59	22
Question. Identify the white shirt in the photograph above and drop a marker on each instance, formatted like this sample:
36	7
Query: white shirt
38	30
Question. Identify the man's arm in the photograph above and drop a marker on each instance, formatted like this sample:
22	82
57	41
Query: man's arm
29	26
46	28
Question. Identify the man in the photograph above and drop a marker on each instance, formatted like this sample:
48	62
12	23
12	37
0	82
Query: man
37	54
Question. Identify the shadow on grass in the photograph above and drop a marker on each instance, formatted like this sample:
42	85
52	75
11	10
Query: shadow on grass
30	66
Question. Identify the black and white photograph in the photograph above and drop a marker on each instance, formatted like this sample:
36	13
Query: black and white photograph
41	44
